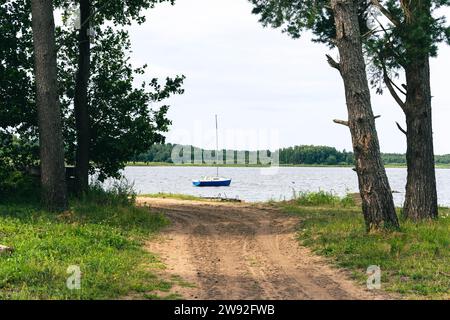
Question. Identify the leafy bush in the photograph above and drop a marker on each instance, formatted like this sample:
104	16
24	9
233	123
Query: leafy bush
17	185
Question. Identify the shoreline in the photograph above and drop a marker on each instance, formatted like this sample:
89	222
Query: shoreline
166	164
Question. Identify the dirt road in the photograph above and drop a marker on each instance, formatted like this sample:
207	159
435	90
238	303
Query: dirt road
241	251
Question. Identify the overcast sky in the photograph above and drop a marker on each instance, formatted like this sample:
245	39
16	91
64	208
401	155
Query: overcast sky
267	89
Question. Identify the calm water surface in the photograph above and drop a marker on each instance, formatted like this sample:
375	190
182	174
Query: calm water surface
255	184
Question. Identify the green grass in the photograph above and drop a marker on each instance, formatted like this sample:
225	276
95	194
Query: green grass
322	198
173	196
103	234
413	261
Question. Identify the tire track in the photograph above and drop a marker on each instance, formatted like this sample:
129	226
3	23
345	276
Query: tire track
238	251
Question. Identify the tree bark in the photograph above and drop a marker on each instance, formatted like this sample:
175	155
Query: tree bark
421	197
54	190
377	202
81	101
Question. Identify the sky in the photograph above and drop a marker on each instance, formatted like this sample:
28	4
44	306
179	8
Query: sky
267	89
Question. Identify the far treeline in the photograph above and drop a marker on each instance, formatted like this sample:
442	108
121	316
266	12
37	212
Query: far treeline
297	155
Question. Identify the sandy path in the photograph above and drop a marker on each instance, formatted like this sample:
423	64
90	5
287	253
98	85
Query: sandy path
239	251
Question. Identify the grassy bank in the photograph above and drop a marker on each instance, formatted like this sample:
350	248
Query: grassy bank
413	261
103	234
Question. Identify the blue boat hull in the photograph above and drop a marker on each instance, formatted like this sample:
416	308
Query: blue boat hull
212	183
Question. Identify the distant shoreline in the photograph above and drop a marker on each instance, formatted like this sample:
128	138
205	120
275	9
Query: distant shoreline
166	164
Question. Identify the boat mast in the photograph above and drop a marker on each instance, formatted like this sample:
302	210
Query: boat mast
217	147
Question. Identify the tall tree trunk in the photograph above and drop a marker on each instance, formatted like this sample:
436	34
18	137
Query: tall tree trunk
81	101
377	202
54	190
421	197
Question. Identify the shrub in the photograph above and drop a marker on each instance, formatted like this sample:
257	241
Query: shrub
17	185
323	198
119	193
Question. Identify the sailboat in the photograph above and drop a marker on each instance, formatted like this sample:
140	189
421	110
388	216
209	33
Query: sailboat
216	181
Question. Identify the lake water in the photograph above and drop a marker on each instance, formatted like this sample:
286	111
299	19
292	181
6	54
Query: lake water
256	184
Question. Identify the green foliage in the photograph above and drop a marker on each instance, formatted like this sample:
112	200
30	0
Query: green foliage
292	155
17	185
315	155
119	193
415	35
15	154
17	110
122	122
156	153
393	158
118	12
101	234
297	16
413	261
443	159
